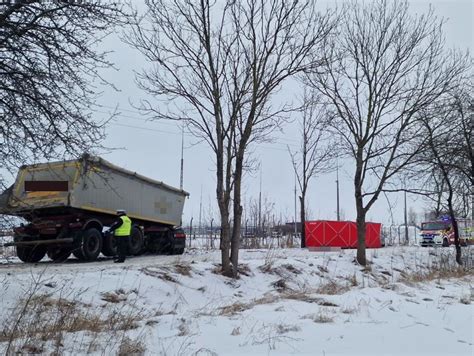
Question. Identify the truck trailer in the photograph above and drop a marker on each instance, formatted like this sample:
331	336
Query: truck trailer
68	206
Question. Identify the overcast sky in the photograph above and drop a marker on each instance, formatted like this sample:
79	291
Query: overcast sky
154	148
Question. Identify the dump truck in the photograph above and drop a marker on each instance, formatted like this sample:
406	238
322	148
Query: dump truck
68	206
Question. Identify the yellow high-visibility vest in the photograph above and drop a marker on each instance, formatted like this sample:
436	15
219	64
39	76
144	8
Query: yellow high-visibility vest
126	228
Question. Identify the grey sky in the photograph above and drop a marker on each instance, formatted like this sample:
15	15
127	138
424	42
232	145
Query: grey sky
153	148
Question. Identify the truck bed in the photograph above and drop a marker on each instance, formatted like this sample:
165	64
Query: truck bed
92	184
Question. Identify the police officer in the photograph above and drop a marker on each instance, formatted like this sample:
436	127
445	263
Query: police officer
122	228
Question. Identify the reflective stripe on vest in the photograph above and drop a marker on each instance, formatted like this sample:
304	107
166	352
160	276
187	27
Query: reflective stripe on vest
126	228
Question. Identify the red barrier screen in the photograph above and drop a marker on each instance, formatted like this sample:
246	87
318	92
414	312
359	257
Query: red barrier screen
340	234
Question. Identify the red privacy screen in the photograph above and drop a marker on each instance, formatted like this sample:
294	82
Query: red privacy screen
340	234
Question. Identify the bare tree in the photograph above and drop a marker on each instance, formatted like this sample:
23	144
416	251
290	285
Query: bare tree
49	58
316	154
463	104
385	67
216	65
448	127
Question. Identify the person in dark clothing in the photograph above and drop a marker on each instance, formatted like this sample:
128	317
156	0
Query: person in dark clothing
121	228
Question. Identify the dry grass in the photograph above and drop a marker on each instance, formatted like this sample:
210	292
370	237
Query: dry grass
267	268
115	297
291	269
40	319
183	269
434	274
183	328
242	269
348	310
308	298
131	347
236	332
239	307
245	270
235	308
321	317
161	274
280	285
353	280
332	287
284	329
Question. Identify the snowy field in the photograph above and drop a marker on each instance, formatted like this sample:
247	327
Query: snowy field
410	301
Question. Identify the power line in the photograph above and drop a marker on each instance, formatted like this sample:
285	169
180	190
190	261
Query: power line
144	128
190	135
162	122
199	143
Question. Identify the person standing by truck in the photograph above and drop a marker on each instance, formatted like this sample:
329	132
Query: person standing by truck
121	228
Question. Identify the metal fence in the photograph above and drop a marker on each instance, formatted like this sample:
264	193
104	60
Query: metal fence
396	235
208	239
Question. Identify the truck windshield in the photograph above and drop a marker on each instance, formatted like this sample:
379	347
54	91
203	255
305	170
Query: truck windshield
435	226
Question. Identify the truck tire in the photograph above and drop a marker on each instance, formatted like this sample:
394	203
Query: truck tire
31	254
445	242
59	254
77	252
91	244
109	246
135	242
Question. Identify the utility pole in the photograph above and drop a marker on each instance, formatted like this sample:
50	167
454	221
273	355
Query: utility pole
182	159
337	192
296	228
406	216
191	231
212	234
260	202
200	214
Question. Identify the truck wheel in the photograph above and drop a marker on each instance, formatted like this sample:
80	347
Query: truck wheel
109	246
30	254
135	242
77	252
91	244
59	254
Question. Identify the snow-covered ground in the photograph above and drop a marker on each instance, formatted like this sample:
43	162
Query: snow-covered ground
410	301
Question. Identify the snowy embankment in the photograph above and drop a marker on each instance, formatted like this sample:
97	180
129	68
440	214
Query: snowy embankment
410	301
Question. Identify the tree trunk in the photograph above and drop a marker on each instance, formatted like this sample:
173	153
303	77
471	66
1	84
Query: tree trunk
303	220
235	242
223	203
225	244
361	212
454	223
360	223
